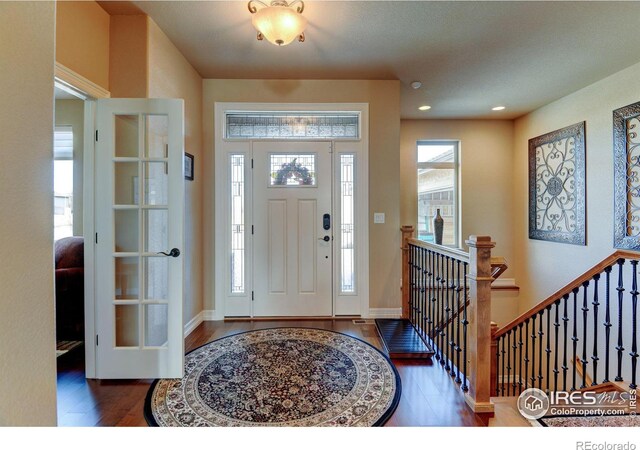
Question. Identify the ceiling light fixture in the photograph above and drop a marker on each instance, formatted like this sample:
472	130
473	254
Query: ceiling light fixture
498	108
416	84
424	108
278	22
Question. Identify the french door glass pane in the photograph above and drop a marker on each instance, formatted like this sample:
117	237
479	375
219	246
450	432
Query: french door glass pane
293	170
126	183
156	183
156	136
127	326
156	325
156	275
126	230
126	136
156	225
127	278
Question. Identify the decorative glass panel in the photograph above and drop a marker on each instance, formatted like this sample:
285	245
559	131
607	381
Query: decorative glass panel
347	216
237	224
287	125
293	170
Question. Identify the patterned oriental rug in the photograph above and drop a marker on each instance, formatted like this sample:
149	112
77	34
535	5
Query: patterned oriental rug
590	421
278	377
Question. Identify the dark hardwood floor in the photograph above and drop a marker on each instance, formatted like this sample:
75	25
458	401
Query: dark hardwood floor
429	396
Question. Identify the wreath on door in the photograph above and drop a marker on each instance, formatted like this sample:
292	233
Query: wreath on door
293	170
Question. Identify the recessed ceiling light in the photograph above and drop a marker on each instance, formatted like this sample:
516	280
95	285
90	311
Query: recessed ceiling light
424	108
416	84
498	108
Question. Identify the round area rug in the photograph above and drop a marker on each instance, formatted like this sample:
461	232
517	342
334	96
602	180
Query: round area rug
278	377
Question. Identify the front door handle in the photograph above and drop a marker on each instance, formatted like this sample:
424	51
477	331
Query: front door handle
326	239
173	253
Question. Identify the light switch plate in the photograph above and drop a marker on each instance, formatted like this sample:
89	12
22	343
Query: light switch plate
378	217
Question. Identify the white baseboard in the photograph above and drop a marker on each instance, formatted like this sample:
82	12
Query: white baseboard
193	323
385	313
210	314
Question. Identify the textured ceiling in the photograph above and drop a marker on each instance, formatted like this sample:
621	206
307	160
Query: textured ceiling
470	56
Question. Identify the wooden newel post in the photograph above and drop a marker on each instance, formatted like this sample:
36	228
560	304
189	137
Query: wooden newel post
479	345
407	233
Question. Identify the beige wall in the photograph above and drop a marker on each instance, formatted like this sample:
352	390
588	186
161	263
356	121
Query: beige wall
27	336
82	39
171	76
129	56
486	161
71	112
384	164
547	266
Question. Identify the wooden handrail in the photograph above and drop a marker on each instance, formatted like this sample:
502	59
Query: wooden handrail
566	290
442	249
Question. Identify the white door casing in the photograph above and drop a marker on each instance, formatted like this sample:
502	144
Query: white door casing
139	210
238	303
292	259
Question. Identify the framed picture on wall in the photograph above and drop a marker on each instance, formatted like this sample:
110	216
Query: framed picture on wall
188	166
557	186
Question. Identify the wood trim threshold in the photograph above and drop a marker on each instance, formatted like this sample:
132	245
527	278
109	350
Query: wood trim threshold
505	288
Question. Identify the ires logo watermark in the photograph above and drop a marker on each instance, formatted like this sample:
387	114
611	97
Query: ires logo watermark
534	403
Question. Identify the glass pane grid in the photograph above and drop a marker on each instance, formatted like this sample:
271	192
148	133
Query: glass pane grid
237	224
256	125
293	170
347	225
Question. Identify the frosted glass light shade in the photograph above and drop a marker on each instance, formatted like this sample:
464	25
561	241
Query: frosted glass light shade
280	25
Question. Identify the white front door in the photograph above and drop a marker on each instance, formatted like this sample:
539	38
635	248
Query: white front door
139	185
293	229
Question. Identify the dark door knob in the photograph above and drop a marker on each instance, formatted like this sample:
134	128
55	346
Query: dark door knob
173	253
326	239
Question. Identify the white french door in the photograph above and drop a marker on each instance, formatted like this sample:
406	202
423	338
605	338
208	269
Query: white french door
139	191
293	229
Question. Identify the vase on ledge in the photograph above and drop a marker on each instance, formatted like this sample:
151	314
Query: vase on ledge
438	226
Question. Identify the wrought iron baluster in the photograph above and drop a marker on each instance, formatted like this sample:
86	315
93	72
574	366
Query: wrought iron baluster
520	345
607	323
432	299
556	327
514	347
439	305
526	353
443	320
540	335
595	304
498	367
458	289
619	347
565	366
454	312
533	351
585	318
574	338
634	323
465	324
445	286
508	337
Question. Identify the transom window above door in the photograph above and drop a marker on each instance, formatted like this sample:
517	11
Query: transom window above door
287	125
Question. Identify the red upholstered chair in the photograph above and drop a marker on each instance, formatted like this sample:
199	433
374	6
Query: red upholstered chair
69	260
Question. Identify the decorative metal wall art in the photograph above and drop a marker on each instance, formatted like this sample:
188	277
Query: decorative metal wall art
626	177
557	191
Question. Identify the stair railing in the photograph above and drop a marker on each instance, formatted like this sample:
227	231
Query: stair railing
446	294
576	337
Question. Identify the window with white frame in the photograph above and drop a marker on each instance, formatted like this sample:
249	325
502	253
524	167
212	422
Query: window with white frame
438	173
63	182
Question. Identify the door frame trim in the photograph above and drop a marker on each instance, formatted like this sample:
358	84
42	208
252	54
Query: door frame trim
79	86
221	144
